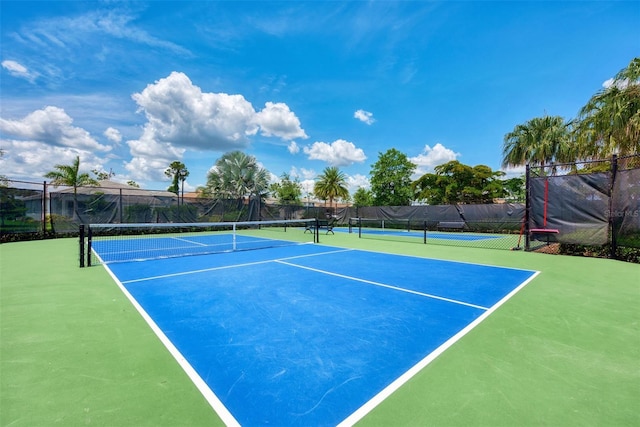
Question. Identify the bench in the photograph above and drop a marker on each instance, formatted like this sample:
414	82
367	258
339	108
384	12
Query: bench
322	223
451	225
548	232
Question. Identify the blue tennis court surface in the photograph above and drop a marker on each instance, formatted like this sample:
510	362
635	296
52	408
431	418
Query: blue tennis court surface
307	335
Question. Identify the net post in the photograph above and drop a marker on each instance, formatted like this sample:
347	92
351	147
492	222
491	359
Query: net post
81	242
359	228
316	237
89	242
424	227
234	236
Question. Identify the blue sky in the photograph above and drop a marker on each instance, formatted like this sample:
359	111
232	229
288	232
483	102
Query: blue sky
133	86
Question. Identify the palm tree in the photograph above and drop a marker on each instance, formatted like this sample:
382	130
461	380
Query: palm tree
178	173
331	184
610	122
70	176
539	141
237	175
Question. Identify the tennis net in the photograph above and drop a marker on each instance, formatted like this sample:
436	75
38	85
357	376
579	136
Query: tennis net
108	243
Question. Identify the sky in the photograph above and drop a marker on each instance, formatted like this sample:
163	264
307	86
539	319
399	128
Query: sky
300	85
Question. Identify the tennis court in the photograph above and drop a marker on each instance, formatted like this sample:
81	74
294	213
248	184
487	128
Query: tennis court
563	350
304	334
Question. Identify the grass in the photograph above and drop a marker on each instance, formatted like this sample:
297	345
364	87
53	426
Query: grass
564	351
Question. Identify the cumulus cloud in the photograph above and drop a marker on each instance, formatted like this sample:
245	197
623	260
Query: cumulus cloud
431	157
364	116
337	153
51	126
358	181
180	115
113	135
293	147
29	159
150	158
276	119
18	70
619	84
178	112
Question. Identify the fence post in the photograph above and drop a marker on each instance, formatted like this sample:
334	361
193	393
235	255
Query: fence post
44	208
527	207
81	244
612	216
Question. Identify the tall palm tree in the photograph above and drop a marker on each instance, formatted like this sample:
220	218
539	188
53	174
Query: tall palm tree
70	176
539	141
331	184
178	173
237	175
610	122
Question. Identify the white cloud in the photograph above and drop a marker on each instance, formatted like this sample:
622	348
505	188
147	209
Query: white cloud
337	153
431	157
514	172
18	70
150	158
51	126
179	113
293	147
113	135
30	160
276	119
358	181
364	116
619	84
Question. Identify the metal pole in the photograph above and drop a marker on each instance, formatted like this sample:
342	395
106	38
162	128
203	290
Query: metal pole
81	244
612	216
527	207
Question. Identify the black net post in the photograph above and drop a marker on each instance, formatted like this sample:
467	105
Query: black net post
89	239
424	227
44	208
359	228
81	242
612	230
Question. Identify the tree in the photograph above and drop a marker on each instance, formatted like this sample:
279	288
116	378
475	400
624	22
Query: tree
515	189
331	184
454	182
391	179
610	122
70	175
102	175
236	175
287	191
539	141
178	173
362	197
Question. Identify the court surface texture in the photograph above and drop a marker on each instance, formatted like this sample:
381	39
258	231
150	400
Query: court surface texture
309	334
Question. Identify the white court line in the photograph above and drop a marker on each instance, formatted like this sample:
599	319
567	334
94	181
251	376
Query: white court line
182	239
400	381
384	286
209	395
184	273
